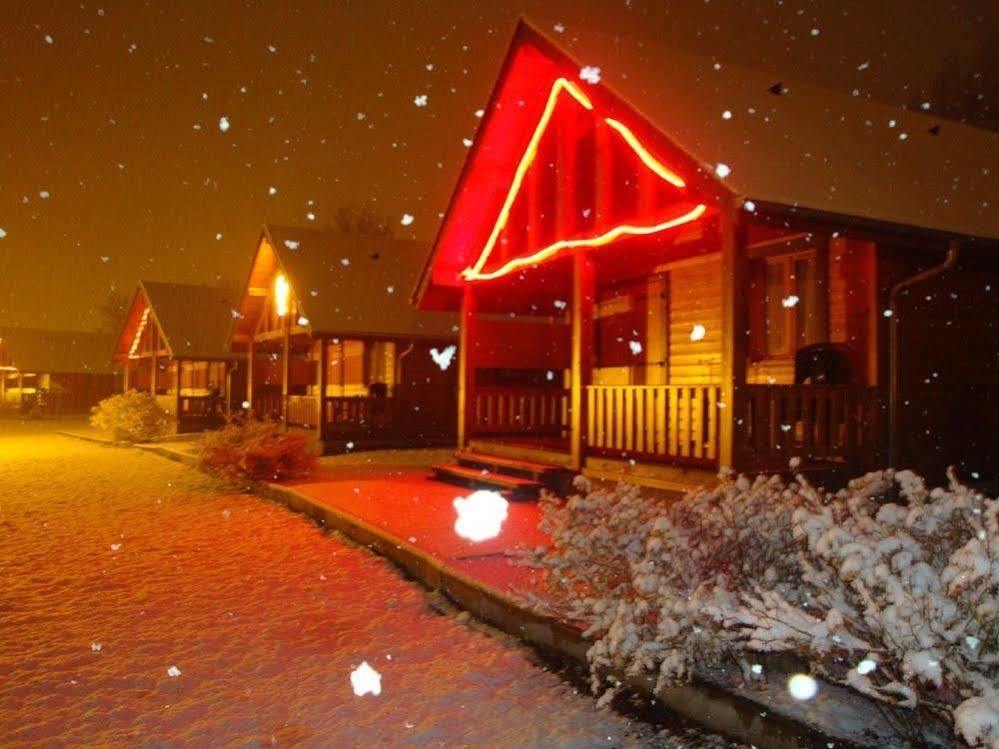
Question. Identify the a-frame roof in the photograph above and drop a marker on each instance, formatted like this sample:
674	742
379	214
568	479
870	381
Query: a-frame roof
193	320
784	143
346	283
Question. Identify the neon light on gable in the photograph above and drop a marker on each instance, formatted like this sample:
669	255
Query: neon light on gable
475	272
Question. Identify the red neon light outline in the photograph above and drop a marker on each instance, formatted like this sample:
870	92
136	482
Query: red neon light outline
474	272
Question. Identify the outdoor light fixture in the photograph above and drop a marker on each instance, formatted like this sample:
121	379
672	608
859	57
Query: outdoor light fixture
281	292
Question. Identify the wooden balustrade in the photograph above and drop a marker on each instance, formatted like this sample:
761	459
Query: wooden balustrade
303	410
520	410
675	423
362	415
813	422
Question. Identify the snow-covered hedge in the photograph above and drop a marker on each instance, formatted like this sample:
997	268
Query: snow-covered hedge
886	586
258	450
131	417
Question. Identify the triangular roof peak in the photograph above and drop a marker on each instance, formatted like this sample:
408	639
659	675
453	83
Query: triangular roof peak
791	145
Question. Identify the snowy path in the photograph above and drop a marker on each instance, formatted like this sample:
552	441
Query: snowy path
117	565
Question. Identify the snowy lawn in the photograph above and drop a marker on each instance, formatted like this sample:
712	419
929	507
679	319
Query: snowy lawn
143	604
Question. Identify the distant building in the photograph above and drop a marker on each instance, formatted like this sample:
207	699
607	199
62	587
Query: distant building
49	372
665	265
173	345
334	344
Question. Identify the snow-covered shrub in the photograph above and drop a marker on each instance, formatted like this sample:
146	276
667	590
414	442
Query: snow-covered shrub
885	586
258	450
131	417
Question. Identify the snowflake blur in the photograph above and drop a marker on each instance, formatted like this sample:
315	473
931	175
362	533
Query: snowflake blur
802	687
365	680
480	515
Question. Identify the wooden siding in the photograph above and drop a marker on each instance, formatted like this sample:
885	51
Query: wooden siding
694	294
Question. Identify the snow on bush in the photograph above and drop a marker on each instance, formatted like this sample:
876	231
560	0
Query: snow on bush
131	417
886	586
258	450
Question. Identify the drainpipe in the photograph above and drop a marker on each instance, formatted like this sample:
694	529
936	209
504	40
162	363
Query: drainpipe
398	362
893	342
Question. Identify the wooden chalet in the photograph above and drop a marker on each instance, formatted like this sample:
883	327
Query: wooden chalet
51	372
686	266
174	345
335	346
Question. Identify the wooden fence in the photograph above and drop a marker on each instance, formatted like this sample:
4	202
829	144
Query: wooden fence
520	411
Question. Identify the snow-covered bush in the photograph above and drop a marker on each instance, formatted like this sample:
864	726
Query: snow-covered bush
131	417
258	450
885	585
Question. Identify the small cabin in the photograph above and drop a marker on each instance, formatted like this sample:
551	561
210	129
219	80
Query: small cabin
53	372
334	345
173	345
664	266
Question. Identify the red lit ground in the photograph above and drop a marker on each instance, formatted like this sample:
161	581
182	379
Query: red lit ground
263	614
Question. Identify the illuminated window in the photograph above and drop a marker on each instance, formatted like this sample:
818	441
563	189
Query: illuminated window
789	303
281	294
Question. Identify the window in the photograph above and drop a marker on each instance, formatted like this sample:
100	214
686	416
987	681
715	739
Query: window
789	304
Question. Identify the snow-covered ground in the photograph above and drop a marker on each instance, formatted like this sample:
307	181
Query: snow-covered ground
119	569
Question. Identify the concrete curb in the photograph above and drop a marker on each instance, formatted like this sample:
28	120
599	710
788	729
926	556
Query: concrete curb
764	717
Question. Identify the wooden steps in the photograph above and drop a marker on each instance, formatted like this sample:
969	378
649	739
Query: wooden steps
514	478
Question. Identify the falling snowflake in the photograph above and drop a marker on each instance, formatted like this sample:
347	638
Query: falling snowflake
420	100
789	301
44	194
559	28
722	170
443	358
480	515
390	289
345	262
802	687
115	547
467	142
559	304
590	74
406	220
479	113
727	114
636	347
757	669
864	65
360	115
749	205
224	124
815	32
173	671
310	216
218	236
96	647
2	233
303	321
866	666
272	191
291	244
365	680
887	313
697	332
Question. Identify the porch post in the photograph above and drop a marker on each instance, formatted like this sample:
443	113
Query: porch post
286	369
3	390
249	375
176	403
126	375
820	318
735	325
155	365
466	366
20	390
582	354
323	374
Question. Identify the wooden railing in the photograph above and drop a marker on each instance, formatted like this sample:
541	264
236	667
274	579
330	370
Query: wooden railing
813	422
303	411
676	423
520	410
267	402
361	415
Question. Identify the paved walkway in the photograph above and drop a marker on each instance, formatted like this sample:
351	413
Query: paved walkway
117	566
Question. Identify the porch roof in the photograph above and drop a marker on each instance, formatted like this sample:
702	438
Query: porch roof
786	144
194	320
352	284
42	351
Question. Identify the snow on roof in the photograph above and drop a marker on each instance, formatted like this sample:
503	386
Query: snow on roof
348	283
38	350
194	319
800	145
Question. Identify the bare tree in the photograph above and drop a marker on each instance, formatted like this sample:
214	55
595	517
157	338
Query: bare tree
113	310
353	219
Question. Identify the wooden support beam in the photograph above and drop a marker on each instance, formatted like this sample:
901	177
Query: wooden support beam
819	321
466	366
323	376
735	338
285	368
249	374
177	369
583	298
127	375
